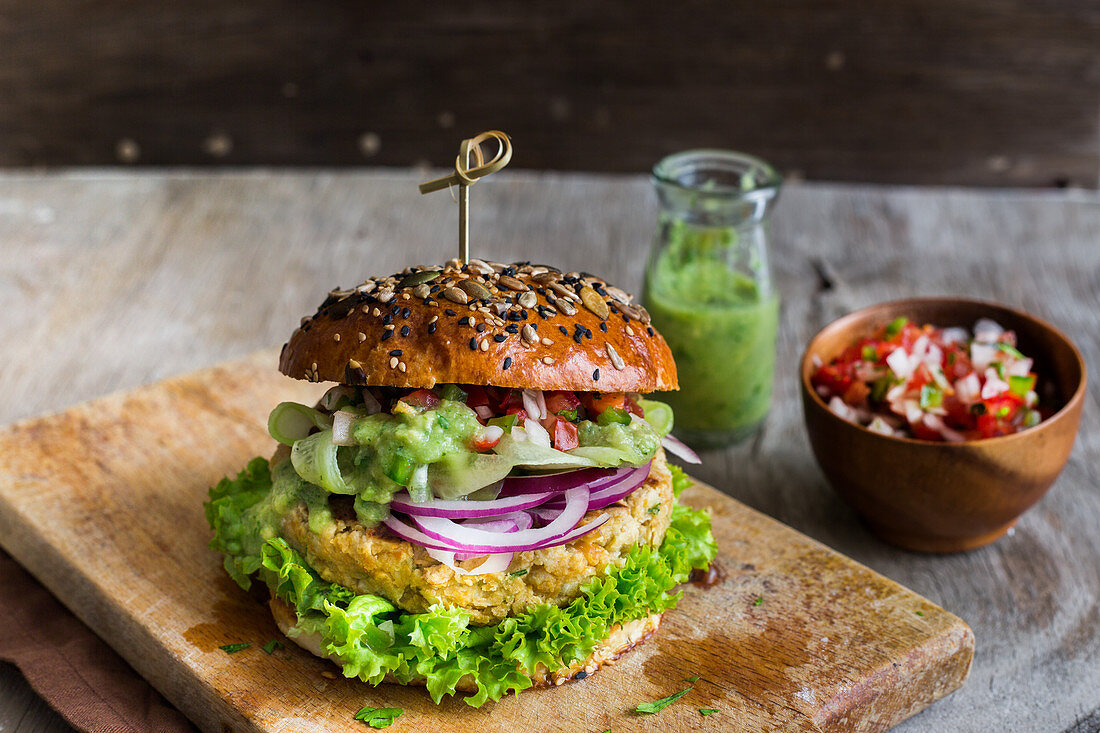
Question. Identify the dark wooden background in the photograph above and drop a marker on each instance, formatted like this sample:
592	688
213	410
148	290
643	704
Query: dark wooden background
978	92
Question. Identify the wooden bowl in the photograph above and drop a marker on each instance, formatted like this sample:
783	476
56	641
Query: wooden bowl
945	497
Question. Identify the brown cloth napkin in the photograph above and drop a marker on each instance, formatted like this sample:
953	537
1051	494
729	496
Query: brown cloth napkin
92	687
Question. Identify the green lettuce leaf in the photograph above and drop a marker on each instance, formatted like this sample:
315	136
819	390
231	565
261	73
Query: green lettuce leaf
371	639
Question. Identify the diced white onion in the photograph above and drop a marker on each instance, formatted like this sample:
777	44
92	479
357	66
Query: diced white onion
994	385
536	433
483	411
341	427
531	405
900	363
371	405
954	335
878	425
841	409
1018	367
920	348
969	388
912	410
1031	398
987	331
492	433
982	355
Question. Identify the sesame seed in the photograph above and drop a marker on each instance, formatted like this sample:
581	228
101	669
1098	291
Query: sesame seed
547	360
362	337
393	362
313	366
480	328
547	342
336	337
405	296
473	344
431	327
386	335
507	362
402	367
484	346
404	330
395	352
434	319
596	375
499	338
450	312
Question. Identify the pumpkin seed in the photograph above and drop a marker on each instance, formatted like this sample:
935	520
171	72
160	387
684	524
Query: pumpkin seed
475	290
593	302
418	278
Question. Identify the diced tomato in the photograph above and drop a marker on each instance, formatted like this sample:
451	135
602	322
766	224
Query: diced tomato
519	412
832	378
560	401
564	434
481	445
990	427
597	402
921	377
511	400
857	393
921	431
422	398
476	396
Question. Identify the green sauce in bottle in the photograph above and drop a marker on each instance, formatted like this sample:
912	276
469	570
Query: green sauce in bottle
709	292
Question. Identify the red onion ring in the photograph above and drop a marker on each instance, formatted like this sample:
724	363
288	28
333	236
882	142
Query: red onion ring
463	509
676	447
466	538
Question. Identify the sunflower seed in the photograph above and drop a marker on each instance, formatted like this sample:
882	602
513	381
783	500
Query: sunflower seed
566	307
367	287
421	291
528	299
385	296
616	360
527	333
563	292
456	296
620	295
511	283
481	267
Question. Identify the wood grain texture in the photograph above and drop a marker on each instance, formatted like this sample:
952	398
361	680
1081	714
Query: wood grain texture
102	504
108	281
981	92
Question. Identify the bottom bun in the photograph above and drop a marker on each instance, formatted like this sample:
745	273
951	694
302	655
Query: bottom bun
621	640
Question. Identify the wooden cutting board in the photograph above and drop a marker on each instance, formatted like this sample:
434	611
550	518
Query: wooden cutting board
103	505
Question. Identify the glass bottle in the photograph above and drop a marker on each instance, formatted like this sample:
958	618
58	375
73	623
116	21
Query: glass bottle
709	291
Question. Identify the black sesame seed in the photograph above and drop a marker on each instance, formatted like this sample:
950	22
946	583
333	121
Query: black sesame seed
404	330
499	337
580	675
626	318
395	310
480	327
395	352
578	336
473	344
434	289
649	330
387	319
450	312
600	289
603	326
386	335
405	312
515	316
512	328
540	291
507	362
509	271
564	330
431	328
523	314
464	321
596	375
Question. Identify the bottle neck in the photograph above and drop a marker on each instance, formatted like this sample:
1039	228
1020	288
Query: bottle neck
716	188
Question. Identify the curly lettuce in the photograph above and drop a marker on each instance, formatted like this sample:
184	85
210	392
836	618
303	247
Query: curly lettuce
371	639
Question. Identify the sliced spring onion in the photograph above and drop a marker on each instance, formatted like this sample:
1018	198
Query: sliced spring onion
290	421
341	427
315	459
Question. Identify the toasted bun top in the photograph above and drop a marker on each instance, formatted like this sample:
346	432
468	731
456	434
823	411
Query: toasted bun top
482	323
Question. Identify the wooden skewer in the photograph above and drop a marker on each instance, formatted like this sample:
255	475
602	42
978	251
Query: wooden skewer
465	176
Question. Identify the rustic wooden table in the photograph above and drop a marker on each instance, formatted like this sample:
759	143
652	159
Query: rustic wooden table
108	281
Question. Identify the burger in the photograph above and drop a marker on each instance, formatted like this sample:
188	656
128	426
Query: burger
481	503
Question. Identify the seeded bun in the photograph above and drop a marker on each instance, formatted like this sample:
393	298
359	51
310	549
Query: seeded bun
482	323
